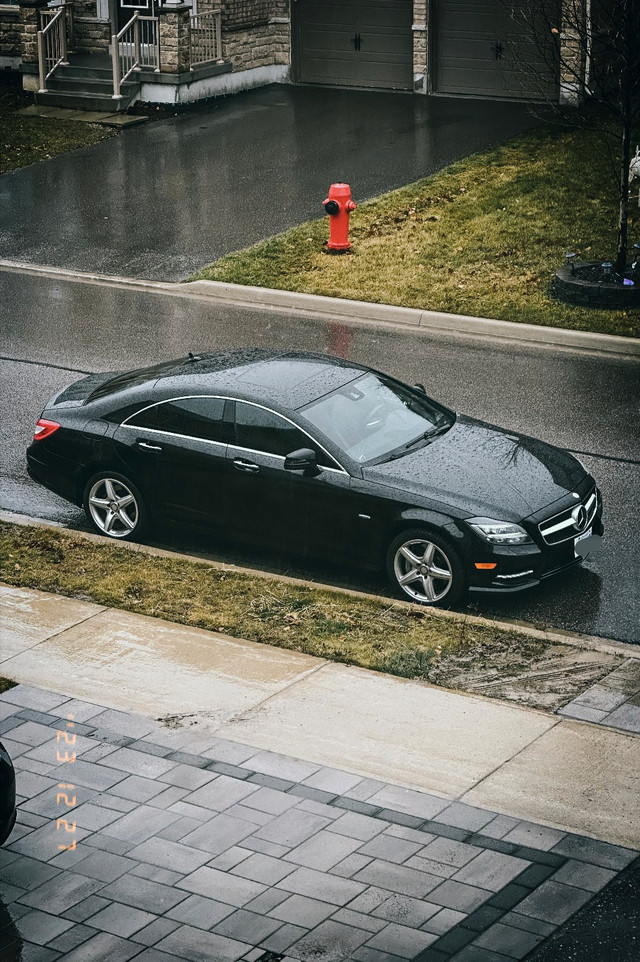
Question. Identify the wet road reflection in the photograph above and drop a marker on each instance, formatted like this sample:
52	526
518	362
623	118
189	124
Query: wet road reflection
582	402
11	944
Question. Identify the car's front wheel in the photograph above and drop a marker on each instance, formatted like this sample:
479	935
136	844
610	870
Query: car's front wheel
114	506
425	568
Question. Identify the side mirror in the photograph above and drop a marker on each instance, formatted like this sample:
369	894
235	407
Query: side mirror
421	388
301	460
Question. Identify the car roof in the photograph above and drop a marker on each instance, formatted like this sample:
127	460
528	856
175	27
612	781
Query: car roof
285	378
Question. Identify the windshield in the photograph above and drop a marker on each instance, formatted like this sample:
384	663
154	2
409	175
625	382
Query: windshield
373	417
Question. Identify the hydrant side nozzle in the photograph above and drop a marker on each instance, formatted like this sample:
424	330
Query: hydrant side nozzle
350	205
332	207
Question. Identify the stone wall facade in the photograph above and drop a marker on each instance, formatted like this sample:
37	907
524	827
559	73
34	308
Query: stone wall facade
175	48
91	36
420	46
260	46
265	42
29	26
10	43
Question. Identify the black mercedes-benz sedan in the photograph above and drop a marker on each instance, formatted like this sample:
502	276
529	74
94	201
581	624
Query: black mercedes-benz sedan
322	455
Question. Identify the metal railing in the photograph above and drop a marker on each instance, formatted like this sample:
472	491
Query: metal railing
206	37
52	45
136	46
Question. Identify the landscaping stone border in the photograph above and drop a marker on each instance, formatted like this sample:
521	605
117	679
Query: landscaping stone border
568	286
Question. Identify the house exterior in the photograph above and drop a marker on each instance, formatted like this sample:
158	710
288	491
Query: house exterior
184	52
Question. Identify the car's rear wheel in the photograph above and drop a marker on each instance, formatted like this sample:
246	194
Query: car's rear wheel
425	568
114	506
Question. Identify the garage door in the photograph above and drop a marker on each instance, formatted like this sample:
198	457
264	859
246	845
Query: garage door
483	49
355	43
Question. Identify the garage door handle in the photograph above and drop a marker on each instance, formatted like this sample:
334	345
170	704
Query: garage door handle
248	466
149	447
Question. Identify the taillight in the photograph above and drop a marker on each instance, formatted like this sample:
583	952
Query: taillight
44	428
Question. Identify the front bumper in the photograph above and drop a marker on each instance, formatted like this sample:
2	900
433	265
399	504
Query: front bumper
519	567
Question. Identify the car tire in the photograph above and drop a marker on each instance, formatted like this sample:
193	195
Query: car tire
425	568
114	506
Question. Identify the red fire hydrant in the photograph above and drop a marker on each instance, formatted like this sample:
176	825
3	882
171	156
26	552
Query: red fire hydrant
338	206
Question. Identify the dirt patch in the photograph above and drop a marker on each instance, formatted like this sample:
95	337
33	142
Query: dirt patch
538	675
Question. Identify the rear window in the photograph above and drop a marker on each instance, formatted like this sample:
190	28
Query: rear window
141	375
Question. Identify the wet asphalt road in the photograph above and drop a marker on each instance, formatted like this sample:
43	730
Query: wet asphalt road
56	329
605	930
163	199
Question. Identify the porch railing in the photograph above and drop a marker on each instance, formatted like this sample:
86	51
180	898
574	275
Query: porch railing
52	45
206	37
136	46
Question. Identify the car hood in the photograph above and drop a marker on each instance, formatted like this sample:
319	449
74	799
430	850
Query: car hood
483	470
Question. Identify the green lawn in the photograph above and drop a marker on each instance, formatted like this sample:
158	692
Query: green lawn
483	237
27	140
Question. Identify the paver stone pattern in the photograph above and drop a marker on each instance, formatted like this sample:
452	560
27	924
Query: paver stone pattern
130	846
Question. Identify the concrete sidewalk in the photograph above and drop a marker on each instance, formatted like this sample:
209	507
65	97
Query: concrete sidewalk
233	800
479	751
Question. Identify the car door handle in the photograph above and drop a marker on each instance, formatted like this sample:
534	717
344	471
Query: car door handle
149	447
248	466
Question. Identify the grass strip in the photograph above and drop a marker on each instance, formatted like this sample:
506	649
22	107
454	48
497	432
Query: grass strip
27	140
482	237
408	641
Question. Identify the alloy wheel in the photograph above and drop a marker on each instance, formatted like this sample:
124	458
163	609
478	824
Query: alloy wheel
113	507
423	570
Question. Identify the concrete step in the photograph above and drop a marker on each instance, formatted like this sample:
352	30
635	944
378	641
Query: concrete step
84	72
89	85
81	100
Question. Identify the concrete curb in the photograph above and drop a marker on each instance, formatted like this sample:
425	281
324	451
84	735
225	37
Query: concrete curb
343	311
557	636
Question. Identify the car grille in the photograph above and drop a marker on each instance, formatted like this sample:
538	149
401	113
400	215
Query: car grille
571	522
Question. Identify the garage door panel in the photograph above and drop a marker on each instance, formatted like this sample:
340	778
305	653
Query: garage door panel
363	43
482	51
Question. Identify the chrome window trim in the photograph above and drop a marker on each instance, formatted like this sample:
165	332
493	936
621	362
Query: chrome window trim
172	434
340	469
219	397
170	400
280	457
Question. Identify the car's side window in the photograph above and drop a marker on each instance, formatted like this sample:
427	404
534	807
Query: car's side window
194	417
261	430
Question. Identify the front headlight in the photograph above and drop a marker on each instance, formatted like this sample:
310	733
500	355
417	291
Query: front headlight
499	532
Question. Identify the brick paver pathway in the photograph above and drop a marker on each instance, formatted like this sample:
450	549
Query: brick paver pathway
192	847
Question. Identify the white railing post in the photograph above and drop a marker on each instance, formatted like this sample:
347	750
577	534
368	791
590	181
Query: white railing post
52	46
206	37
136	40
63	36
115	60
41	62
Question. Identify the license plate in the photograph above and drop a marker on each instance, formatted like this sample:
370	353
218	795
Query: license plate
581	537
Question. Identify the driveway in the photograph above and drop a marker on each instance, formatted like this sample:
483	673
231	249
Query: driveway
161	200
